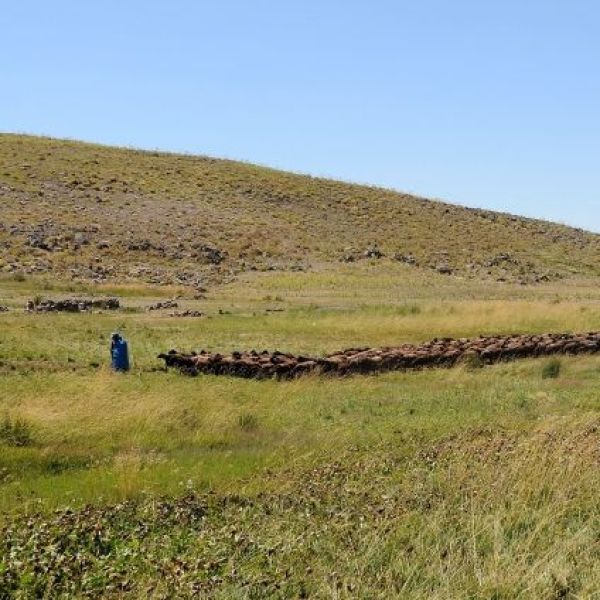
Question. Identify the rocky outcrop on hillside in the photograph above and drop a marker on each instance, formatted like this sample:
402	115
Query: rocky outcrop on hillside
73	305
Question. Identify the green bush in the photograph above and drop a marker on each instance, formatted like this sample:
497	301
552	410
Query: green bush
551	370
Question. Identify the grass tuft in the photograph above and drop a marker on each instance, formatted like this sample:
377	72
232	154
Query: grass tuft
472	361
248	422
15	432
552	368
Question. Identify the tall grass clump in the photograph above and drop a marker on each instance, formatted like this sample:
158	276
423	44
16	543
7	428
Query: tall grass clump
248	422
472	361
15	432
551	369
409	309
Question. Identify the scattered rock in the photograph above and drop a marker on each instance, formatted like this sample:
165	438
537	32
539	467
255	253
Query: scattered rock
210	254
81	238
408	259
373	252
72	305
500	260
444	269
38	240
187	313
163	304
351	255
140	246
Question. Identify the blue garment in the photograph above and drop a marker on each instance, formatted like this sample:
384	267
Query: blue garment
119	354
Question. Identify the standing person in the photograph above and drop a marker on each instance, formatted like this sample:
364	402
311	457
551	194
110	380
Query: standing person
119	353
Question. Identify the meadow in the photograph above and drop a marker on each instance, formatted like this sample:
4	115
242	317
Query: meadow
459	483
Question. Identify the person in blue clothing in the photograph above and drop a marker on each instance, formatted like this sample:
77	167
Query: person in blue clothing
119	353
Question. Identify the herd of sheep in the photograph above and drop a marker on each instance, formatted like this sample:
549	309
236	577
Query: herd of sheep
445	352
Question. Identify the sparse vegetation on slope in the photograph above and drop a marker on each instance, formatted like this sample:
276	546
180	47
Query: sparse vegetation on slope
99	213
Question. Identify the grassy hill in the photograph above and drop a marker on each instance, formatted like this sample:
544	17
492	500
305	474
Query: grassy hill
92	212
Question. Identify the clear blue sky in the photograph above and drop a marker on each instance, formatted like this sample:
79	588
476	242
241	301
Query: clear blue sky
493	104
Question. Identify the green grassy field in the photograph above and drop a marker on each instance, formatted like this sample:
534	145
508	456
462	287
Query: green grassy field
461	483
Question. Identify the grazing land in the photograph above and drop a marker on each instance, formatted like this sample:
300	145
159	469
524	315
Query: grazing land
471	482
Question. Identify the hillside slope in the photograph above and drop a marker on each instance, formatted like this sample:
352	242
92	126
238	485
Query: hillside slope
93	212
